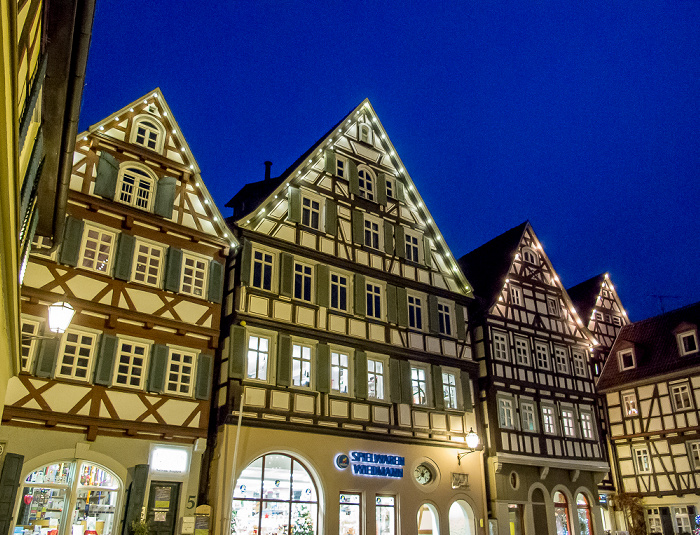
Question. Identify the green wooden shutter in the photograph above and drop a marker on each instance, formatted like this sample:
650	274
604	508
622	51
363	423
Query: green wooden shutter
433	319
158	370
72	239
216	281
331	217
205	372
389	238
107	173
322	286
47	357
360	381
358	227
427	260
381	188
236	352
400	241
35	361
165	197
30	102
467	402
353	177
286	274
9	483
284	360
330	162
294	205
245	258
402	306
125	257
323	368
105	359
173	269
459	319
405	379
137	495
360	295
399	193
438	394
391	312
394	380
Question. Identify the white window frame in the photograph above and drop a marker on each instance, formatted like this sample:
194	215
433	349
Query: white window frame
307	220
264	262
258	353
143	344
372	373
301	349
506	412
694	453
374	290
90	357
552	306
568	422
424	371
528	413
364	133
413	246
300	277
133	198
450	384
629	404
522	350
579	360
183	352
563	362
157	128
340	286
675	391
549	419
372	229
341	166
516	295
497	349
139	242
681	519
446	317
542	354
29	345
108	263
337	368
621	359
415	311
681	337
654	520
367	183
640	454
587	421
390	187
530	256
195	258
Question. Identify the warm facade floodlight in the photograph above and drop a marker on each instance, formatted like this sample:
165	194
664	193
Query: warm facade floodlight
472	444
60	316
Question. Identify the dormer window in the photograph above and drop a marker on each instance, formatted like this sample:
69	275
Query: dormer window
148	133
687	342
366	180
365	133
136	188
626	359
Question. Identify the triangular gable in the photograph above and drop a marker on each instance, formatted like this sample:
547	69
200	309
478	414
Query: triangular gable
266	196
173	148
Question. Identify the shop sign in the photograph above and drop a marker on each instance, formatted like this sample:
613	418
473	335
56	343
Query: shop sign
371	464
169	459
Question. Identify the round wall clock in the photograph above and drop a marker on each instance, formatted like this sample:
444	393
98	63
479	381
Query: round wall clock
423	474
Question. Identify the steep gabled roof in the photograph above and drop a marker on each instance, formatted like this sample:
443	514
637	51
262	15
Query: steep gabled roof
585	294
655	349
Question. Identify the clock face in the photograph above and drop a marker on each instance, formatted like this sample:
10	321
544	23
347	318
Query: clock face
423	474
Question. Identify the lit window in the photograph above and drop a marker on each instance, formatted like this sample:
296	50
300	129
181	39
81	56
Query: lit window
194	275
586	425
694	452
411	248
505	413
350	511
374	301
301	365
567	421
516	296
179	373
385	515
629	404
75	355
131	363
258	354
310	213
444	319
552	307
371	234
148	263
500	346
147	134
449	390
366	183
680	393
542	351
654	520
687	343
302	282
339	292
340	373
375	379
415	316
262	270
419	385
30	328
641	457
681	518
528	412
561	360
626	359
96	249
580	364
548	420
136	188
522	351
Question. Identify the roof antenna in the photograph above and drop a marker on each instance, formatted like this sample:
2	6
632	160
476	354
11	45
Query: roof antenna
661	300
268	165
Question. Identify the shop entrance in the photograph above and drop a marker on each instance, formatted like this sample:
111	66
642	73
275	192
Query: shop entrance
162	507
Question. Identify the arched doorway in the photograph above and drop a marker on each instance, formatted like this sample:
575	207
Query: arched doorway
71	496
275	494
428	520
539	511
461	517
561	514
584	515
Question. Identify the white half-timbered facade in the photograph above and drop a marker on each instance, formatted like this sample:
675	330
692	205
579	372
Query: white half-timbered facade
651	383
345	332
536	390
129	382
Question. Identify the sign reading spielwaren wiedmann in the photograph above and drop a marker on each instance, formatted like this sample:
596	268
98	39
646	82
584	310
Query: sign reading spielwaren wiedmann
371	464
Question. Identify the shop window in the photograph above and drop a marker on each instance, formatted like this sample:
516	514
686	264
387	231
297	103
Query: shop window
385	508
428	520
584	515
275	494
561	514
70	496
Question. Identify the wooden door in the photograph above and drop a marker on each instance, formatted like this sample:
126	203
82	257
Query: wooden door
163	501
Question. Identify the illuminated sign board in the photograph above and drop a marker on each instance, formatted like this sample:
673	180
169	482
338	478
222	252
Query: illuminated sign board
371	464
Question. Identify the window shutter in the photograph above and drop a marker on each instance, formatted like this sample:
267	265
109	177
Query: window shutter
284	360
459	320
173	269
353	178
330	162
157	372
391	313
360	295
165	197
205	372
399	193
400	241
433	321
467	403
9	483
438	394
105	359
125	257
294	205
405	379
381	188
236	352
216	281
358	227
323	368
427	259
322	286
107	172
286	274
47	357
137	494
331	217
402	306
245	258
72	238
360	374
43	327
389	238
395	380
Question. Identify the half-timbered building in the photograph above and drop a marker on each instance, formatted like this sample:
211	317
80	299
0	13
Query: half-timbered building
121	398
536	391
344	384
651	382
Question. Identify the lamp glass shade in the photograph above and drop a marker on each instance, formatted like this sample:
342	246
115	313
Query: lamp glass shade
60	316
472	439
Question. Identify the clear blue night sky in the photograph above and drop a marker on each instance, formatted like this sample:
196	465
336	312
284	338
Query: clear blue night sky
583	119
